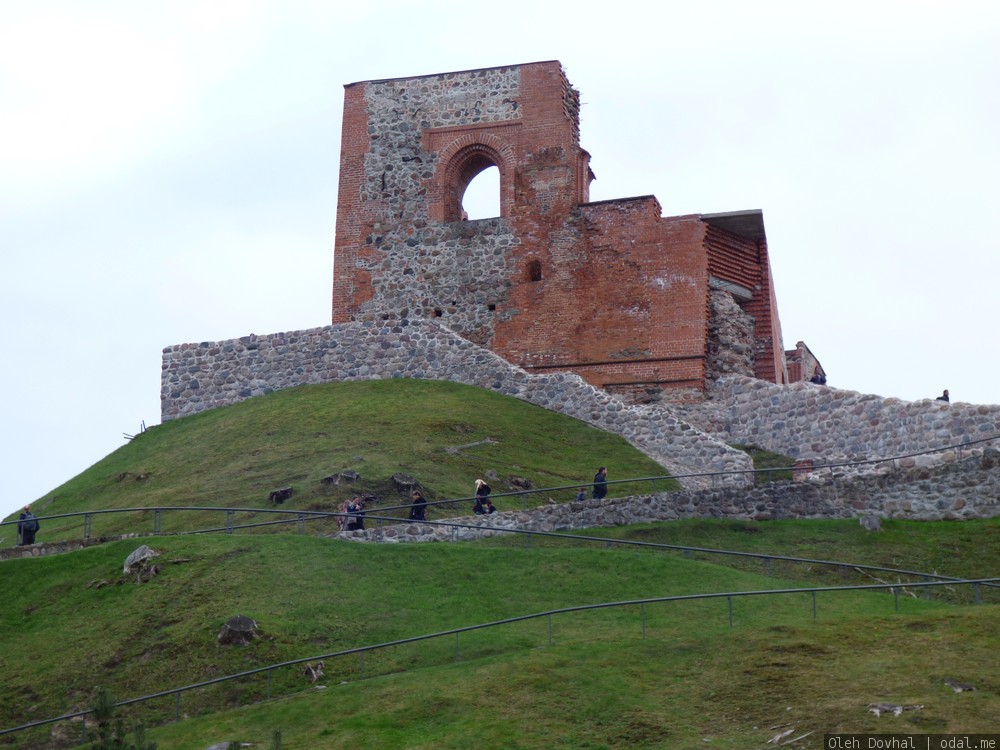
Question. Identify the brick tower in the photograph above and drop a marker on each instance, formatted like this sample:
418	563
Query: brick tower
634	302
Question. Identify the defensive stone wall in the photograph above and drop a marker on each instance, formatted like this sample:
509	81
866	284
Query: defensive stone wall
196	377
803	420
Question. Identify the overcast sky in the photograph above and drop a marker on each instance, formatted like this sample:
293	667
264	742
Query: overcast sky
168	174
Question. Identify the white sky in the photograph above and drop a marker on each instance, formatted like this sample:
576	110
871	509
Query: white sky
168	174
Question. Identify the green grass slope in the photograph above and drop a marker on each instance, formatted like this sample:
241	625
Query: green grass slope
667	676
444	435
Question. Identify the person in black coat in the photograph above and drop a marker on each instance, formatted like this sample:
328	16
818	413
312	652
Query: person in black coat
27	526
600	483
356	515
482	492
418	509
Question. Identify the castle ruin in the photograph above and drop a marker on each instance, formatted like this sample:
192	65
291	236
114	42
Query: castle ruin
636	303
595	310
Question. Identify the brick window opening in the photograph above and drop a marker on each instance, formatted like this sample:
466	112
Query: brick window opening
472	186
534	270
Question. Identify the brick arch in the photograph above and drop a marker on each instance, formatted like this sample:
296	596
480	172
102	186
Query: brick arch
467	156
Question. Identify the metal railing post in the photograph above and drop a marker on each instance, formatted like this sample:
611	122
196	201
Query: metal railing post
302	523
814	605
550	631
87	518
157	521
730	600
361	671
895	596
268	685
230	521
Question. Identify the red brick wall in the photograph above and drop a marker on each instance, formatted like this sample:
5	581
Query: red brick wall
622	299
352	285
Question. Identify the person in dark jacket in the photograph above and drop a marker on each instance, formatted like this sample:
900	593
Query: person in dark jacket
356	515
418	509
27	526
600	483
482	492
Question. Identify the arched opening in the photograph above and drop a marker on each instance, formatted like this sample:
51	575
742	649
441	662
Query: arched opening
482	196
465	197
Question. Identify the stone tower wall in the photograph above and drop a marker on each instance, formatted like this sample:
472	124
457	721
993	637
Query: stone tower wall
612	291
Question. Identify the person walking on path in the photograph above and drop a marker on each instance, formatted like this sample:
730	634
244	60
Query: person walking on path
600	483
27	526
418	509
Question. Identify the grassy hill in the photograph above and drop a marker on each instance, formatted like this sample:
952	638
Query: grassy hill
670	675
443	435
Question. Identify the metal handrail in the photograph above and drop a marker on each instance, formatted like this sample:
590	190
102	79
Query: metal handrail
558	488
320	515
505	621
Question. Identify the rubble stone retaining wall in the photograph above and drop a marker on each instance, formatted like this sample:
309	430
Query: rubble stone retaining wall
803	420
196	377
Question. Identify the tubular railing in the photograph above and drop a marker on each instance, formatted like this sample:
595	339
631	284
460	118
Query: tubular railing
302	516
457	632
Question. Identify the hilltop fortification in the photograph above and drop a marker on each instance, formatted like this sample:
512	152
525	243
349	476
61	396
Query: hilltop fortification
663	329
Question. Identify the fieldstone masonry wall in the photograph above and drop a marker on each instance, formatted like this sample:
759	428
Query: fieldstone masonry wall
452	270
41	549
731	339
803	420
196	377
800	420
446	269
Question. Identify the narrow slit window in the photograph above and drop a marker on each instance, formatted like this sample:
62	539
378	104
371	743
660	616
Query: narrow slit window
534	270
